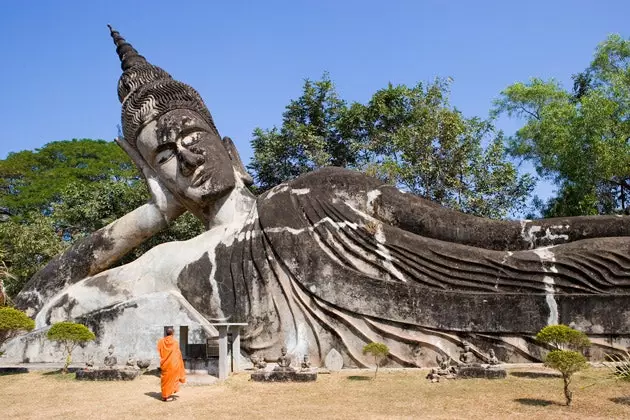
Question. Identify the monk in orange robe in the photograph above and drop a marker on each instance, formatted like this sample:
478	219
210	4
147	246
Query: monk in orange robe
171	365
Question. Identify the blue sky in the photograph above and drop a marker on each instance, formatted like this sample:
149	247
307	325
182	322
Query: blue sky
248	59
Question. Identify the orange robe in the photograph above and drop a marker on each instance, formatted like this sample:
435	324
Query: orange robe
171	365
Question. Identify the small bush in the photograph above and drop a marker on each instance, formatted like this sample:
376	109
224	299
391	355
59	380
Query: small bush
378	350
619	365
567	362
563	337
13	321
69	334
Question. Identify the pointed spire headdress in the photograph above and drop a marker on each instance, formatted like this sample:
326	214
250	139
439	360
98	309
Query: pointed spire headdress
147	92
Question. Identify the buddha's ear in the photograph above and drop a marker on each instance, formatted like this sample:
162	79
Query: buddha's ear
236	161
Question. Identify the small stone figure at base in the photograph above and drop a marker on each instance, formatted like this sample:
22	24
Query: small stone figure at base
492	358
467	357
110	360
89	363
306	363
444	369
284	362
258	362
131	362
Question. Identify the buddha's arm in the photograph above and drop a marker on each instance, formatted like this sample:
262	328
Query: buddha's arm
98	251
423	217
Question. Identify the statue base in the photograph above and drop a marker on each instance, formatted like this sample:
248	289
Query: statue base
107	374
481	371
283	376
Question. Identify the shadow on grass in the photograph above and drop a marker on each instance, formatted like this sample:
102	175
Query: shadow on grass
536	402
536	375
621	400
158	396
59	375
13	371
152	372
360	378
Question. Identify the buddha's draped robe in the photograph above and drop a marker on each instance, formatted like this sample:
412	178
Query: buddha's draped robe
335	259
171	365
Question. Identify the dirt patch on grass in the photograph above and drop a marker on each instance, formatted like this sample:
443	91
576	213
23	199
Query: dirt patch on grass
394	394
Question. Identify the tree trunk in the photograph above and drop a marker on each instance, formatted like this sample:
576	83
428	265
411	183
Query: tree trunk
567	393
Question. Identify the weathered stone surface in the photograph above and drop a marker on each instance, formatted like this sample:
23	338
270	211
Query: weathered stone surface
332	259
107	374
283	376
333	361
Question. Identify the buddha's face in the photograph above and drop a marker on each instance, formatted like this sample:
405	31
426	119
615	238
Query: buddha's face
188	157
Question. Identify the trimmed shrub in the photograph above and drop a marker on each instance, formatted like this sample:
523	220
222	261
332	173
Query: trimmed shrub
378	350
567	362
13	321
69	334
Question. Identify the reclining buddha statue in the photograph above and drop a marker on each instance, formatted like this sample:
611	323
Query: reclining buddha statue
333	259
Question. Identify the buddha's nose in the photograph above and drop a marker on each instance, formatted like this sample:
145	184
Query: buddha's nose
188	161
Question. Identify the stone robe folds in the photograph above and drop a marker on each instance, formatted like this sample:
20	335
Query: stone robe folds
171	365
335	259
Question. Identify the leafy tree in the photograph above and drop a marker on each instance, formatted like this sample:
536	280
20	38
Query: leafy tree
69	334
379	351
34	180
12	321
412	137
408	136
310	137
564	358
29	243
578	139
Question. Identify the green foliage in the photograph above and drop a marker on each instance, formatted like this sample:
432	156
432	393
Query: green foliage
408	136
567	362
578	139
562	337
378	350
413	138
619	365
310	137
33	180
13	321
29	243
69	334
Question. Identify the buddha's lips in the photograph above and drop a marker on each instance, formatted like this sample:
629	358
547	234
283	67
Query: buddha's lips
199	177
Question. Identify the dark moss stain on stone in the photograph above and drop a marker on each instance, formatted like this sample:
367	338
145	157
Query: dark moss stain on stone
66	303
102	283
194	284
96	320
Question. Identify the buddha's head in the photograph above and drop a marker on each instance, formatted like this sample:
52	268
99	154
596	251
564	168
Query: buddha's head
167	122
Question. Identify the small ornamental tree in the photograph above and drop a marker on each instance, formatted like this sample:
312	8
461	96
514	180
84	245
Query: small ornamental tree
69	334
378	350
565	357
12	321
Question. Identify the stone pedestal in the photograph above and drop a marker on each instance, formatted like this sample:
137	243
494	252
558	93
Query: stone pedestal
481	371
107	374
284	376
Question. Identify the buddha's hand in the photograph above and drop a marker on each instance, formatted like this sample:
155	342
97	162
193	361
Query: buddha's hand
161	197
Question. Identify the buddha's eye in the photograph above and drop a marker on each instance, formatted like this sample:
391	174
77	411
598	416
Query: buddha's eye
164	156
191	139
